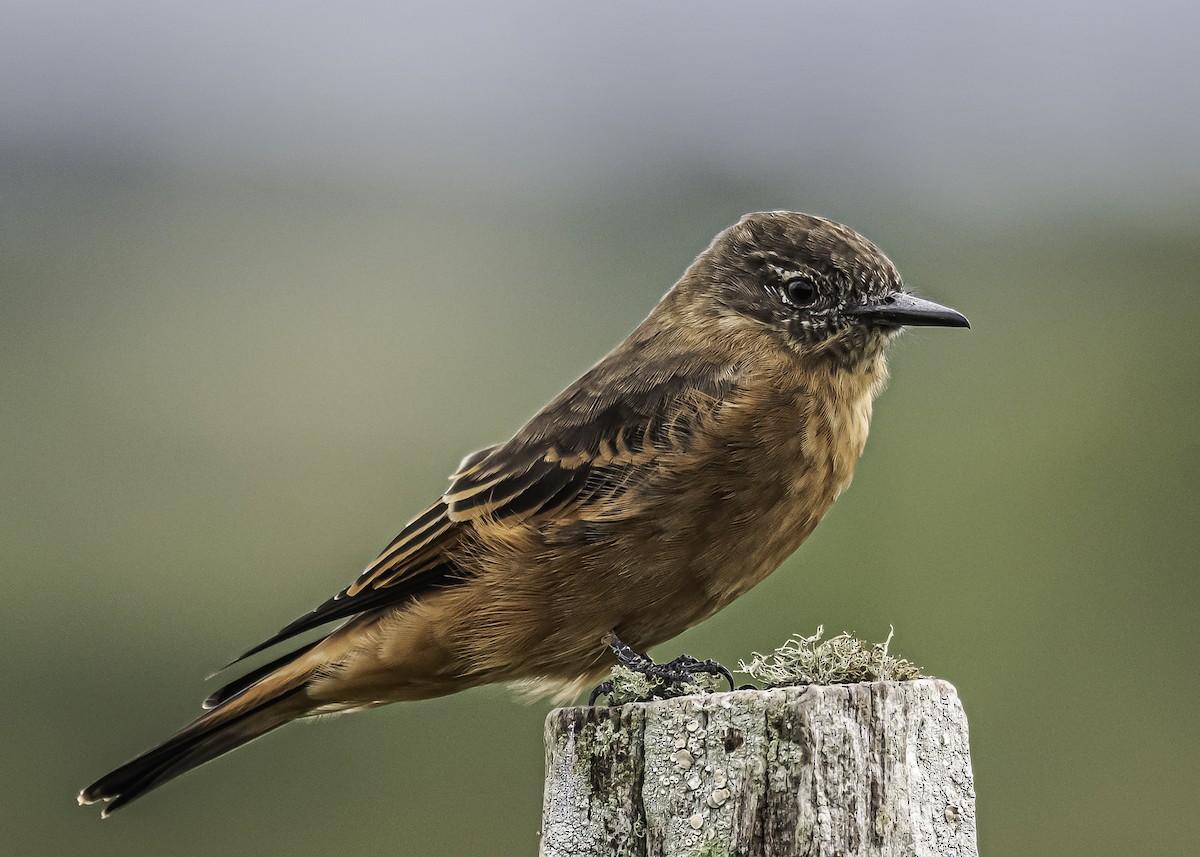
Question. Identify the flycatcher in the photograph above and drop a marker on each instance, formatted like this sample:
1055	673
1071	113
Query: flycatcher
677	473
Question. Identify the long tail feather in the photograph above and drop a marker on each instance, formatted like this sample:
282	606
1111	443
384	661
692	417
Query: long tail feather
239	685
247	712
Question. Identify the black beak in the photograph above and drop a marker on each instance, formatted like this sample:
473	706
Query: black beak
900	308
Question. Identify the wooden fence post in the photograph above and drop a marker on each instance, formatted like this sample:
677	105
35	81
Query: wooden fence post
856	770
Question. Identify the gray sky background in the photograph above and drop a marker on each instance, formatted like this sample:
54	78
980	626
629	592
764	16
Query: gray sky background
957	100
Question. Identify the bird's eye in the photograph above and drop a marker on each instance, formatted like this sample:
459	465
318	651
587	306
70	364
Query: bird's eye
800	291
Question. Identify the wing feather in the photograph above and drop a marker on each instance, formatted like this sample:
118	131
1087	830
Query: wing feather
588	446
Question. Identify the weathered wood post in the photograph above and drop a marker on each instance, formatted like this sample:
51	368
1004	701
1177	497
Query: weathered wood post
878	768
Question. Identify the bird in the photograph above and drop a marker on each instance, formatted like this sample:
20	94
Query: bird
670	478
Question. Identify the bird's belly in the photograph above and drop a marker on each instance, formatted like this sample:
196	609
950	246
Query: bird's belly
719	555
761	516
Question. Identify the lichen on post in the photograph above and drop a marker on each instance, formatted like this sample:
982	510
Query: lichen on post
875	768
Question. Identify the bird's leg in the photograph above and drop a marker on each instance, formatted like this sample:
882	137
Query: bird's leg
677	672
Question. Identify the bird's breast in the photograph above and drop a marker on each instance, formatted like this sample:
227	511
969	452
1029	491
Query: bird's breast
799	454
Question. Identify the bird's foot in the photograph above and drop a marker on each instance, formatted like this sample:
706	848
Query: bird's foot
604	688
651	680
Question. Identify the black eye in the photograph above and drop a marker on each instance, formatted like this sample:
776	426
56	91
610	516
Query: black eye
800	291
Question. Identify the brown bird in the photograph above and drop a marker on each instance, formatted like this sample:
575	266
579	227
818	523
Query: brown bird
677	473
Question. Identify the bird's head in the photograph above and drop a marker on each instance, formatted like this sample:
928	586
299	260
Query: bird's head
817	286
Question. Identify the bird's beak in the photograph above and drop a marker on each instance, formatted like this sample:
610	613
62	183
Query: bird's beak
902	308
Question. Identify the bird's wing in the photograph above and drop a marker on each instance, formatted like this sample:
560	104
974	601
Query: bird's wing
582	450
586	447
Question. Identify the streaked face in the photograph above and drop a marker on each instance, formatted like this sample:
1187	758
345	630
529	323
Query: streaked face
803	277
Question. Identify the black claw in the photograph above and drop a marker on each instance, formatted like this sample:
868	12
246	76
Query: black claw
604	688
687	666
679	671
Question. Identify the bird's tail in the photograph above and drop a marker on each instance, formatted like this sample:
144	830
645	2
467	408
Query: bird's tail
241	716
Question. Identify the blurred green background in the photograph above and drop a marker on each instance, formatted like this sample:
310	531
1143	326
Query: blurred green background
268	272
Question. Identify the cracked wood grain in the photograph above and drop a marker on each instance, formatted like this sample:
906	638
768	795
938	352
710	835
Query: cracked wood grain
867	769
